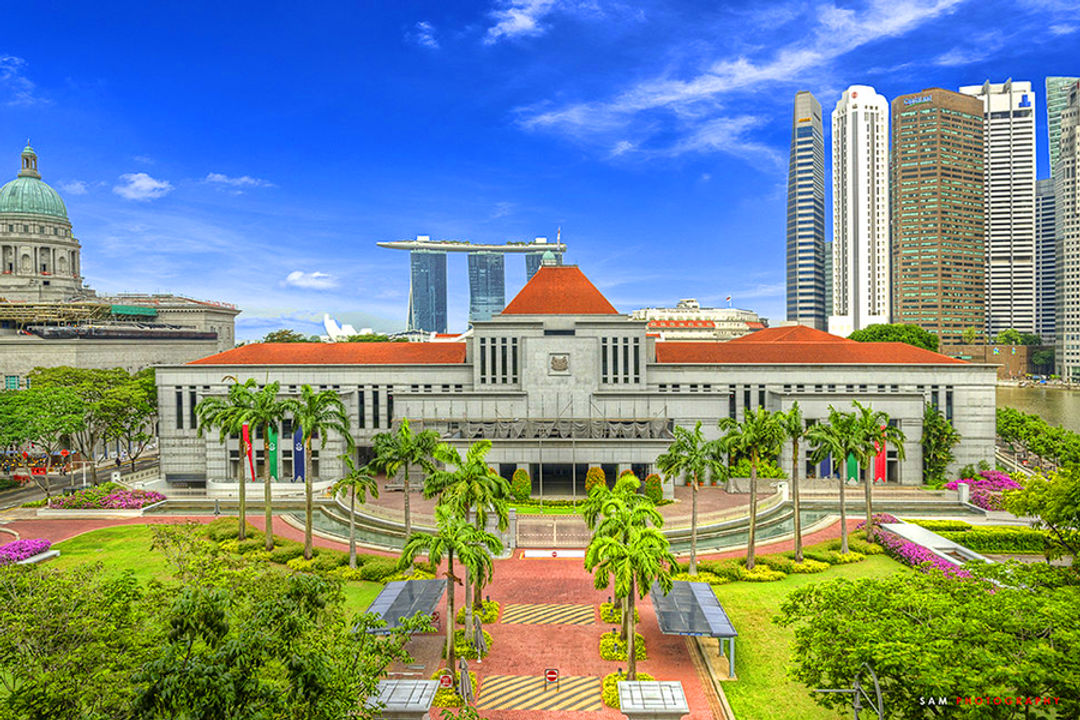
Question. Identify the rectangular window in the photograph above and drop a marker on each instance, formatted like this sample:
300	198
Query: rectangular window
615	360
192	402
603	364
360	409
505	361
948	404
637	360
761	396
390	405
626	359
180	409
731	403
745	400
513	360
483	361
11	382
375	406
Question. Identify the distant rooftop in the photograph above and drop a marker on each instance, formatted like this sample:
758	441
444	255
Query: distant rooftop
424	242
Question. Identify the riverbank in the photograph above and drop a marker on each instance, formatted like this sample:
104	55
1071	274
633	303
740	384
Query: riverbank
1056	404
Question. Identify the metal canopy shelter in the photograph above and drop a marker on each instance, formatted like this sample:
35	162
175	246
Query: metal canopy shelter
691	608
404	598
403	699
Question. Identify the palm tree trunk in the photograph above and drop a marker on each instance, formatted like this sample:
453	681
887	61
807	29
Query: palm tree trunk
753	513
478	593
843	510
624	621
631	650
868	475
451	659
408	513
468	606
352	529
693	527
241	534
795	499
267	509
309	550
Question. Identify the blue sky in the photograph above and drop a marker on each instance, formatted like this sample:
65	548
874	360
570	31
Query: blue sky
256	152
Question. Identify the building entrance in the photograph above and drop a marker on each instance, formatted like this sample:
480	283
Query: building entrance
558	480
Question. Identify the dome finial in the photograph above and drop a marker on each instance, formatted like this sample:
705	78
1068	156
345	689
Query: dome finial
29	162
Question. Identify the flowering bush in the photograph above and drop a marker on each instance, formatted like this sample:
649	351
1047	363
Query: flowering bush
22	549
986	490
109	496
879	519
917	556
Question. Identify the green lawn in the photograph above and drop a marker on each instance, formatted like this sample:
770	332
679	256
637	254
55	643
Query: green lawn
763	691
545	510
127	547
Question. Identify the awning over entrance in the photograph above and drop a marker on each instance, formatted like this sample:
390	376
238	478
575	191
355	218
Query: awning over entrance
691	608
404	598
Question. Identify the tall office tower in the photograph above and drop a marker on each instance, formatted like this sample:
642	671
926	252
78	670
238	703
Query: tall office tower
860	153
1045	260
1008	203
487	285
533	259
427	291
937	212
1057	99
1067	195
828	278
806	215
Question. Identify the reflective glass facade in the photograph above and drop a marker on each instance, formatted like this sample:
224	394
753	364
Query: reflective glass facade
487	285
427	291
806	216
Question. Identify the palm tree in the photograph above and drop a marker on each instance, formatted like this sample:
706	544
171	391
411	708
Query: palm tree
357	480
316	414
266	411
760	435
635	564
227	414
399	450
690	456
836	438
872	429
795	427
454	537
467	485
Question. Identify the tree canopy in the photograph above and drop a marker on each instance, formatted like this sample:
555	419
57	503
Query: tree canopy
1015	337
285	335
897	332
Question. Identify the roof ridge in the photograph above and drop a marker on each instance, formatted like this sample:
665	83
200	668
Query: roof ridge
559	290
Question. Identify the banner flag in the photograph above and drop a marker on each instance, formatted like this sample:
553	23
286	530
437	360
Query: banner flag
272	447
298	456
826	467
881	459
852	467
247	450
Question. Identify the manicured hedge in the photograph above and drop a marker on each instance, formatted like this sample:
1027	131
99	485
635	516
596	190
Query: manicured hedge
786	564
612	613
520	485
448	697
595	476
654	487
940	525
611	648
489	613
1000	540
464	647
611	687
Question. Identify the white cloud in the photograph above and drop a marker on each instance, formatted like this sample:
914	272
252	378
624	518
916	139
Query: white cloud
502	209
622	147
310	281
74	187
20	90
1062	29
140	186
423	34
526	18
143	159
242	181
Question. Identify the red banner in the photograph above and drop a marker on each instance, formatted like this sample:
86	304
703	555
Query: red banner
38	471
881	460
247	450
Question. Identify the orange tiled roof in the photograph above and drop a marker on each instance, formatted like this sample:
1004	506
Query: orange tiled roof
559	290
374	353
797	344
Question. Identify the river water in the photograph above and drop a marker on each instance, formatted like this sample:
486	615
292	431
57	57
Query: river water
1056	406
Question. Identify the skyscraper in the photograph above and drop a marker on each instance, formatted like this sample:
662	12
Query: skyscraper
828	278
937	212
806	215
1008	203
1045	260
860	171
427	291
534	259
487	285
1067	194
1057	99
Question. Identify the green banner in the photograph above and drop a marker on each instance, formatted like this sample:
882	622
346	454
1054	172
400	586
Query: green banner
852	467
273	454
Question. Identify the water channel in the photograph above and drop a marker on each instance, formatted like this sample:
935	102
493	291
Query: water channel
1054	405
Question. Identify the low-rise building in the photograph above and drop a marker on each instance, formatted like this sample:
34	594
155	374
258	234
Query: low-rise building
689	321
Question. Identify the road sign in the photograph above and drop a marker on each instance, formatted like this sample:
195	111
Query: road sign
551	675
446	681
554	553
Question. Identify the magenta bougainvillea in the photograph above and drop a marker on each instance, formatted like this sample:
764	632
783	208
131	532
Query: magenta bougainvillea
917	556
987	489
94	499
23	549
879	520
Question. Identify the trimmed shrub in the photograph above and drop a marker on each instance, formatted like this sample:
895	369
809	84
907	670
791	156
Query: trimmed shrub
299	564
786	564
464	646
229	546
940	525
286	552
728	569
612	613
765	469
611	687
855	544
1000	540
702	576
346	573
760	573
520	485
34	503
258	556
595	476
377	570
448	697
250	545
489	613
626	472
327	560
611	648
227	528
654	487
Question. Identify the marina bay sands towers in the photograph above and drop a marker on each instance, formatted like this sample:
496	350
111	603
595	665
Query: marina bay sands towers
487	276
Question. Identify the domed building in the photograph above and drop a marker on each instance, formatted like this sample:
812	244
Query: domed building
38	252
49	317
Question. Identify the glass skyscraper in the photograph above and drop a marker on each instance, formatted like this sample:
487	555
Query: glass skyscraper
806	216
532	263
487	285
1057	99
427	291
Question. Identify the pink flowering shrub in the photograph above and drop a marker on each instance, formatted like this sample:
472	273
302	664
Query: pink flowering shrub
22	549
879	519
986	490
106	497
917	556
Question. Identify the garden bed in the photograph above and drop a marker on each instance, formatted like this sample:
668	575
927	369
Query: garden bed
27	552
111	497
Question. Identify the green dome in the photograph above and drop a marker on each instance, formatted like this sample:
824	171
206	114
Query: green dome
30	195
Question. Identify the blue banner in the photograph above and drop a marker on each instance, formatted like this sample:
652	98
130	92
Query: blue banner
826	467
298	456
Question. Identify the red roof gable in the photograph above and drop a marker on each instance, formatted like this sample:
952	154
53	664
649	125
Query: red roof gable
372	353
797	345
559	290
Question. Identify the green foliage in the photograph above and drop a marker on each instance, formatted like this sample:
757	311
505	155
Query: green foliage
654	487
594	477
226	528
1015	337
760	573
611	686
938	440
787	565
611	648
463	646
1000	540
370	337
834	557
489	613
939	525
284	336
520	485
701	576
724	569
285	552
34	503
612	613
897	332
326	560
1055	501
765	469
857	544
626	472
969	334
448	697
377	570
1037	436
1043	359
299	564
